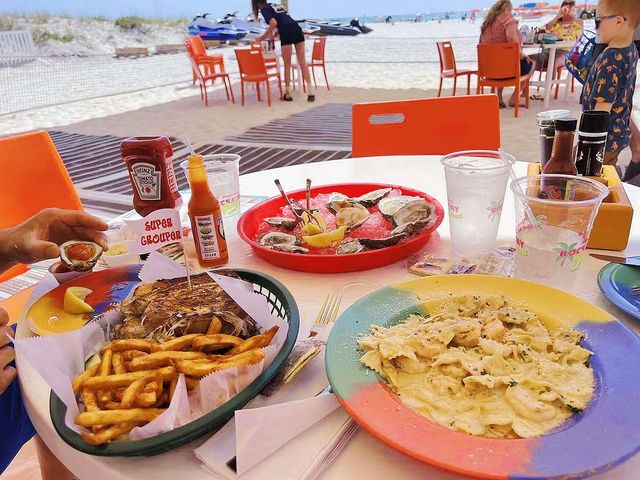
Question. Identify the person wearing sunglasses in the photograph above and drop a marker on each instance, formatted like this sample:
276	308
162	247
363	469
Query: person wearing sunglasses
610	85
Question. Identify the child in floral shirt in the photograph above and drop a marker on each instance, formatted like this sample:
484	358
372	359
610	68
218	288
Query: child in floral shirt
611	82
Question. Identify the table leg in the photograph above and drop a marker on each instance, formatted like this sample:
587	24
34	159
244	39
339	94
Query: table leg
551	65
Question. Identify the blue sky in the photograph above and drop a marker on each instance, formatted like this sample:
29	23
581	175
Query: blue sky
173	8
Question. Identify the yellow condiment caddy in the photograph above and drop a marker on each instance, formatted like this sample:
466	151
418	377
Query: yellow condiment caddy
612	226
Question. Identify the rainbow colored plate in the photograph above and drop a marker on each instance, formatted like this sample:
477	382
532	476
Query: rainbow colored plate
601	437
47	316
616	281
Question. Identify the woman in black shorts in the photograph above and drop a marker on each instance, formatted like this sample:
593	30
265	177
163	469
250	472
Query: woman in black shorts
290	34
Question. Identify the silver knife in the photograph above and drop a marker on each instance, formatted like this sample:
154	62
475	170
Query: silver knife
631	261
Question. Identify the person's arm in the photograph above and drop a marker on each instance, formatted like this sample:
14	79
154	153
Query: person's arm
273	24
513	36
39	237
7	374
561	13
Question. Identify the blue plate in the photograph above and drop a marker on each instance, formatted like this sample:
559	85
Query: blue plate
616	281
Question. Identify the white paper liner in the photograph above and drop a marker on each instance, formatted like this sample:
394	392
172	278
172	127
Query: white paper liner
60	358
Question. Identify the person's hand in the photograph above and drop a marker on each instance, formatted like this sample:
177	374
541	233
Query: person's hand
39	237
259	39
7	374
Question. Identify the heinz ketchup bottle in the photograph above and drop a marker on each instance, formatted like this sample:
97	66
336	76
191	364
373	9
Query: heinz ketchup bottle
206	217
148	160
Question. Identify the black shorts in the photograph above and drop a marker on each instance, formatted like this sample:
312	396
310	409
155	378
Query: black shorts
291	34
525	66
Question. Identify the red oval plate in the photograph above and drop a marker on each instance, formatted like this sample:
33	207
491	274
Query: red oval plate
251	220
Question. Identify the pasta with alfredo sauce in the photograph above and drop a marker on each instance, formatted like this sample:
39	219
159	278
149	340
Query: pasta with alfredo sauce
483	366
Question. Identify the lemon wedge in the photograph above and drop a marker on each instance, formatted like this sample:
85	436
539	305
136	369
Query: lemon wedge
310	229
313	228
74	300
326	239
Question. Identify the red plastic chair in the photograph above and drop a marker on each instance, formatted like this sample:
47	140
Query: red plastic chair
197	50
33	178
499	67
200	71
270	60
317	60
433	126
254	70
449	69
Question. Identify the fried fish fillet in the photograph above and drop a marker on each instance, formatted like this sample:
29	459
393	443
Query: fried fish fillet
170	308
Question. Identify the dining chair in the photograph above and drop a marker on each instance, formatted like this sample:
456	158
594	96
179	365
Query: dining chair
449	68
270	60
197	50
253	70
33	178
431	126
204	74
317	59
499	67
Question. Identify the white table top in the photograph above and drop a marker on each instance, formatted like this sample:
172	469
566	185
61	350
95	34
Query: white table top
365	457
549	46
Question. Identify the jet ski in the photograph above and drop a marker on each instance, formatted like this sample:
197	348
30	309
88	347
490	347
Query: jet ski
248	25
333	28
356	24
204	26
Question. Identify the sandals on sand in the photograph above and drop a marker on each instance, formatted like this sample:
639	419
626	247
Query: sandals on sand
502	104
287	98
311	98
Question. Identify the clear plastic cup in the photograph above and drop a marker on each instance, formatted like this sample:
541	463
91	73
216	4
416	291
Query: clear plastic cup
476	184
552	236
223	173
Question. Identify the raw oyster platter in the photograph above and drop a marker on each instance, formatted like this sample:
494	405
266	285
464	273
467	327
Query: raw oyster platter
341	228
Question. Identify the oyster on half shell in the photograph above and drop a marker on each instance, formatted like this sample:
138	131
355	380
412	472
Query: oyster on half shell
417	211
372	198
80	255
351	215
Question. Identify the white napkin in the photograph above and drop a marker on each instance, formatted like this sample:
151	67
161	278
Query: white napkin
266	439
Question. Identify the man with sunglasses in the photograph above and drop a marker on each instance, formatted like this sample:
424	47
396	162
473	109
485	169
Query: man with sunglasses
611	83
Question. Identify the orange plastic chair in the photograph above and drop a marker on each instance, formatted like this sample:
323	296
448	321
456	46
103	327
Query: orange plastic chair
270	60
433	126
499	67
197	50
254	70
449	69
200	70
317	59
33	178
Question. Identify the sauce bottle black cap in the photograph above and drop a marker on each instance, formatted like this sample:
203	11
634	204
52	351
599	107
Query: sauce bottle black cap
566	125
595	121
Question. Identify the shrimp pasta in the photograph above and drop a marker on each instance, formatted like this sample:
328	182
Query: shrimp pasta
484	366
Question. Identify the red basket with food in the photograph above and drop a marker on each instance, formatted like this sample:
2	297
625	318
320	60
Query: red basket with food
342	227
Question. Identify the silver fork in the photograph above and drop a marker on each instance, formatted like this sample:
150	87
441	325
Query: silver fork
307	349
635	292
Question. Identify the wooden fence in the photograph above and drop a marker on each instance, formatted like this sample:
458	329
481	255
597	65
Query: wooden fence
16	47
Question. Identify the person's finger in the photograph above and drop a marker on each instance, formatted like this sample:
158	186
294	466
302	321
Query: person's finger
83	219
7	355
4	335
32	250
7	375
4	317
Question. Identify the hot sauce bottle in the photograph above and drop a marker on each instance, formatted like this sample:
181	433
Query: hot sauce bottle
561	161
206	217
148	160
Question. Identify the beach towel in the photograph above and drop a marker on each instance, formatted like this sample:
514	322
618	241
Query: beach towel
581	57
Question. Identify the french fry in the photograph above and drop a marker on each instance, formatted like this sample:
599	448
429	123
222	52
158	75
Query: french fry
129	355
105	370
133	390
158	383
199	370
80	379
219	341
109	434
215	326
118	363
146	399
90	400
172	386
257	341
179	343
108	417
132	344
118	393
125	379
161	359
112	406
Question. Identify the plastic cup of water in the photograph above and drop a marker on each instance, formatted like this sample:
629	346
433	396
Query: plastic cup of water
476	185
563	207
223	173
